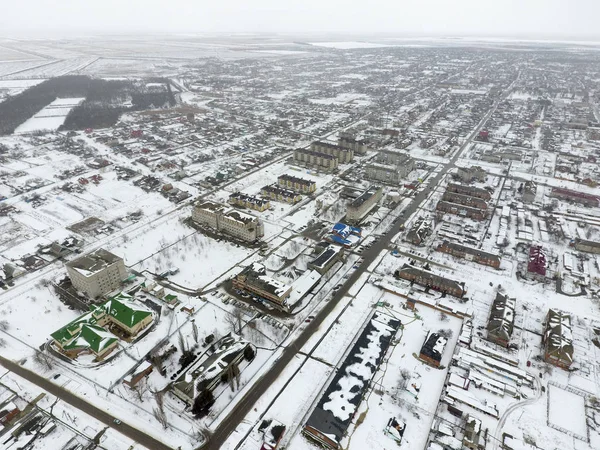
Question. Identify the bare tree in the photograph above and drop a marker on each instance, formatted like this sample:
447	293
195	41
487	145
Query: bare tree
182	345
195	331
234	320
43	360
161	417
140	389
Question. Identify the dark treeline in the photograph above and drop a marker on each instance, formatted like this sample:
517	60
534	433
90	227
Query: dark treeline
16	110
104	104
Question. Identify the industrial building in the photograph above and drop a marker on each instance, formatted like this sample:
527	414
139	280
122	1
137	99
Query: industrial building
296	184
557	339
584	245
254	279
327	425
326	259
344	155
470	254
229	221
361	206
582	198
249	201
345	235
97	273
274	192
315	160
502	319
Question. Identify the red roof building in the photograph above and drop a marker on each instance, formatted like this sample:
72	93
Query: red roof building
537	260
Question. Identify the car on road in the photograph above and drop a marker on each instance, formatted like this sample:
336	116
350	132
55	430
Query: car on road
56	376
117	422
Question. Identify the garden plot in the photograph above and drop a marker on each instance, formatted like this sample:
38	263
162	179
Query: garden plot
567	410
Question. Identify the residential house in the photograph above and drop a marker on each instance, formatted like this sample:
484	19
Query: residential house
537	261
501	321
558	339
420	230
274	192
433	349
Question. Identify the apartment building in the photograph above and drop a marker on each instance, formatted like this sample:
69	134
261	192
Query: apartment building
358	147
229	221
97	273
361	206
470	174
315	160
396	158
467	200
430	280
296	184
557	339
344	155
582	198
254	279
249	201
501	321
469	190
461	210
470	254
274	192
387	173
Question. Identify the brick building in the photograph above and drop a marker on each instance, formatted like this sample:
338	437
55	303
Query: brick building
470	254
501	321
315	160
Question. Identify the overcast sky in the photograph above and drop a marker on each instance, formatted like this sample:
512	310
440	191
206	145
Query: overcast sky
518	18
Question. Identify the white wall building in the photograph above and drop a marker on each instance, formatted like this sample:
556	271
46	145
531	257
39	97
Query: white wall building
97	273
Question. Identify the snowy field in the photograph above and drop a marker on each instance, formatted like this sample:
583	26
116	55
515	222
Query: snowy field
348	45
567	410
51	117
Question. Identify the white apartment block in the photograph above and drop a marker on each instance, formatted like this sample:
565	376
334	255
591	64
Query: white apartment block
316	160
344	155
97	273
228	220
360	207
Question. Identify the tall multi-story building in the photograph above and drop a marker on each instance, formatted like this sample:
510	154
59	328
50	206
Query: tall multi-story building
360	207
316	160
344	155
296	184
395	158
387	173
227	220
97	273
359	147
